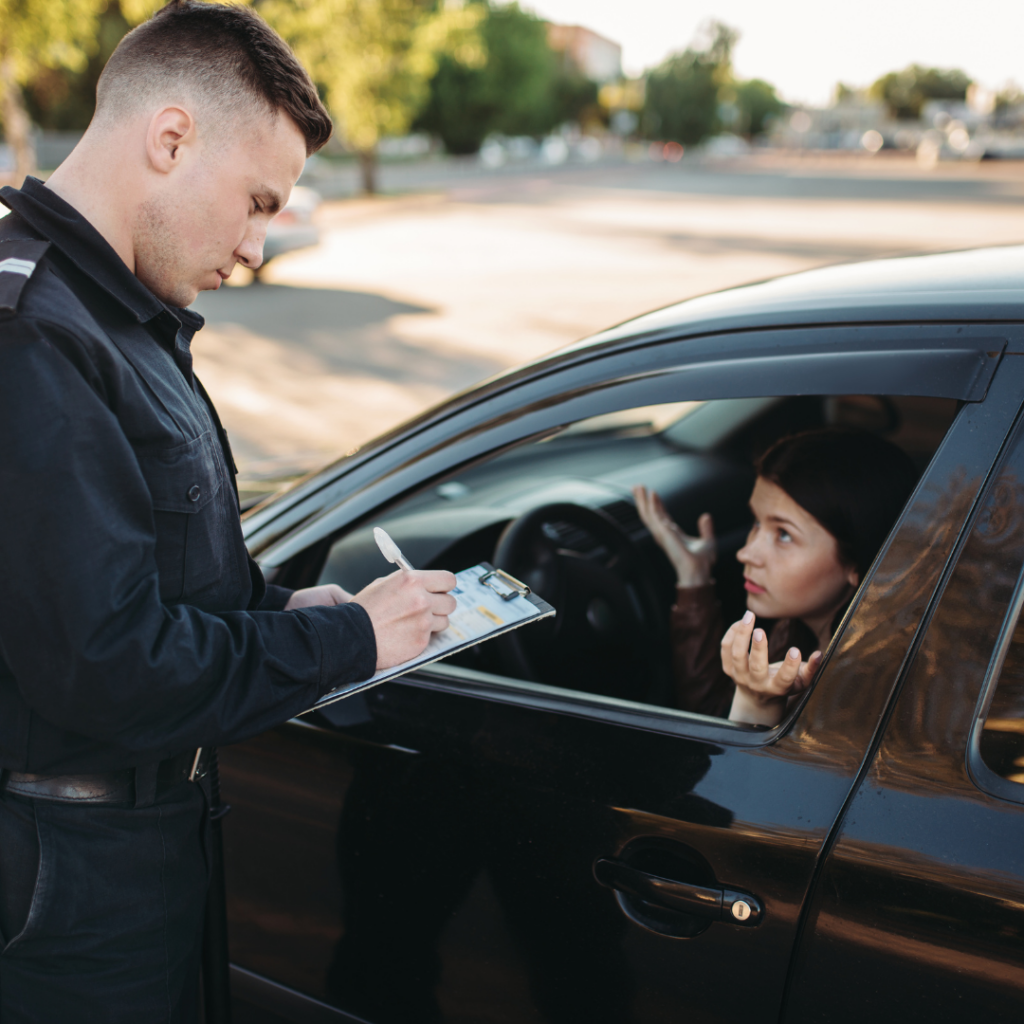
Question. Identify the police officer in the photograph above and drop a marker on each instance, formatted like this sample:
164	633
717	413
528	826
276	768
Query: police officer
134	628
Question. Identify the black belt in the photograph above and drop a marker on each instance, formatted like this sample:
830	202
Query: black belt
138	786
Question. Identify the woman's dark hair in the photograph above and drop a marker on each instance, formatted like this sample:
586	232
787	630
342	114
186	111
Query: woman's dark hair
853	483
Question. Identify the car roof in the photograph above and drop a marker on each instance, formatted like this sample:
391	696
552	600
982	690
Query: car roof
977	285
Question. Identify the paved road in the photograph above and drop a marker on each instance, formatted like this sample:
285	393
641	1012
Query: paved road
455	274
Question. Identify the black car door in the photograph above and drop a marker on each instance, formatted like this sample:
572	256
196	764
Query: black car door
450	848
919	907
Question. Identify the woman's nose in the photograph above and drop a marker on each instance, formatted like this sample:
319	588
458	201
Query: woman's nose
749	554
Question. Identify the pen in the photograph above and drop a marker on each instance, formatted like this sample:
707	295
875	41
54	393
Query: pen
389	549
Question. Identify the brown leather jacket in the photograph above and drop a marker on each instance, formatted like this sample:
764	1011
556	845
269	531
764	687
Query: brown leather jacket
696	631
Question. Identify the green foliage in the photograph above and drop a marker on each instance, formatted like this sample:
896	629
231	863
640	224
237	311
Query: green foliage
1007	99
522	89
63	99
905	92
375	58
37	34
681	103
756	104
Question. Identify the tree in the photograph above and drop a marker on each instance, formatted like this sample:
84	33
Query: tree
756	104
681	103
519	90
905	92
374	59
62	99
34	35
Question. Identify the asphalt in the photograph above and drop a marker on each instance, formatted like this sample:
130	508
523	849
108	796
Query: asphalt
455	273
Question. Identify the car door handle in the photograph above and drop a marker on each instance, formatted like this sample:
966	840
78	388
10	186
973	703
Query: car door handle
712	904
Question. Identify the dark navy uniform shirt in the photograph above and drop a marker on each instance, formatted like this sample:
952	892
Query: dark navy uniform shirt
133	624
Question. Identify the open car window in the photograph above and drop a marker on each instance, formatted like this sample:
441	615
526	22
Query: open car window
577	539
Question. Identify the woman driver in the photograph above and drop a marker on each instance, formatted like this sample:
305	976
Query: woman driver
823	503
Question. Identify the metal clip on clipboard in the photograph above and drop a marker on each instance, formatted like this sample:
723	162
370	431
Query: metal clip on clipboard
515	588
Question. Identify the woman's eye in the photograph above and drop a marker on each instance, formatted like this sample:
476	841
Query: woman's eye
784	536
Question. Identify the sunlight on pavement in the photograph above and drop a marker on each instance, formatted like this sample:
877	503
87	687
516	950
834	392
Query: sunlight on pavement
409	299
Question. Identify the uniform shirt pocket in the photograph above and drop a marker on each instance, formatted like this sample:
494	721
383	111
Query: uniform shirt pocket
194	539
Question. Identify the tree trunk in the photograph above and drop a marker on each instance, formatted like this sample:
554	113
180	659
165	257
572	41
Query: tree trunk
368	167
17	126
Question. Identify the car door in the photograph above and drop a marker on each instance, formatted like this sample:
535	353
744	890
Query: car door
919	907
457	848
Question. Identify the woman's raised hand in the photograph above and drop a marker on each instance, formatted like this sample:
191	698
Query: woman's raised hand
762	688
691	557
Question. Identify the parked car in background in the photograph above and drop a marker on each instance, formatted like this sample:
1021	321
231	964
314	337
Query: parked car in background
529	831
293	227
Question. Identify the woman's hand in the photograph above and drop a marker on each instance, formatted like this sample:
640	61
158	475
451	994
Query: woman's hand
691	557
313	597
762	688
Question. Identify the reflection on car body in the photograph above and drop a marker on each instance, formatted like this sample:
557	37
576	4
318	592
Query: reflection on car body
531	831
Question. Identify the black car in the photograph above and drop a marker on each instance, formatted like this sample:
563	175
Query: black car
529	831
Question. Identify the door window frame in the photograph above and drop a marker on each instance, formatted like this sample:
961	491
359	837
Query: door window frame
944	361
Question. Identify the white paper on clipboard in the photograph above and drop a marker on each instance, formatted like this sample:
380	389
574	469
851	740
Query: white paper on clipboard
488	604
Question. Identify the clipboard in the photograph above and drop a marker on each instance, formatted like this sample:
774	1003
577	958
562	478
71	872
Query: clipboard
489	602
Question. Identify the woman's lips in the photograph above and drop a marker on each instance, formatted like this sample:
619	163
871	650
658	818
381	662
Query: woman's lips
751	587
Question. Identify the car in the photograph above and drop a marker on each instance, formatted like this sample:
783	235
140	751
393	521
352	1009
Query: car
292	228
530	831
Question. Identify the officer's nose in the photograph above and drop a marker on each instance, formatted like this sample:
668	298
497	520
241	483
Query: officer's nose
250	251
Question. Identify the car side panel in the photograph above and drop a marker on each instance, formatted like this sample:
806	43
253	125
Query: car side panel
426	853
918	913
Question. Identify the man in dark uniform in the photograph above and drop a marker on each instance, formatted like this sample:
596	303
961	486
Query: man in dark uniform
134	628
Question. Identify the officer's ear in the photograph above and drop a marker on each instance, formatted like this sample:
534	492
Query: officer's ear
172	131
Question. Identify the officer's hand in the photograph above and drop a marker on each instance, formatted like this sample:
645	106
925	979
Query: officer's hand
329	594
405	609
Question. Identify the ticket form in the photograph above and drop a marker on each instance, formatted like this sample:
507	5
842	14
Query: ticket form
488	603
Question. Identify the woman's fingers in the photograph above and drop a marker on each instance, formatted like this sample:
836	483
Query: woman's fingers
758	661
789	670
728	667
706	527
808	670
690	557
736	648
652	513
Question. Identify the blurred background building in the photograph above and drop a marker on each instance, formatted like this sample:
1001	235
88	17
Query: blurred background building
592	55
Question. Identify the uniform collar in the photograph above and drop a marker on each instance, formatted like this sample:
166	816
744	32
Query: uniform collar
81	243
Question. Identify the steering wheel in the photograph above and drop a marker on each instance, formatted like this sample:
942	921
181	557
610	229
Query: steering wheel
609	635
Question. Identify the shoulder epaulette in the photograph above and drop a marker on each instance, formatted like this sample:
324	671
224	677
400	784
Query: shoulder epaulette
19	258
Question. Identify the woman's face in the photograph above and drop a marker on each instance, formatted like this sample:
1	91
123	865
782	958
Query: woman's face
791	564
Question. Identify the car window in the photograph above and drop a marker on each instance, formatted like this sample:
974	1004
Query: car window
559	511
1000	741
1002	736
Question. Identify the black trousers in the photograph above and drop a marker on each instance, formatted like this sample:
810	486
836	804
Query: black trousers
101	910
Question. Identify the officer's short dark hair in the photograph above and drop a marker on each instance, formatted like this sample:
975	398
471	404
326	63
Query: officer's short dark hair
225	56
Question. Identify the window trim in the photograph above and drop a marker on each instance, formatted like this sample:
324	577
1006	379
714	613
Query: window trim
927	360
977	769
742	376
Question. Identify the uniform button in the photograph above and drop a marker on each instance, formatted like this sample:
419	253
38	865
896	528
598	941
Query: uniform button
194	492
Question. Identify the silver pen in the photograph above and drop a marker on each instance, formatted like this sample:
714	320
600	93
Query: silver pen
389	549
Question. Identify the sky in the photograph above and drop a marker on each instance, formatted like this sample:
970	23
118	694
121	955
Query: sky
804	47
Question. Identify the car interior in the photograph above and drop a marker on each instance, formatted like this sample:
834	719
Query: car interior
558	514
